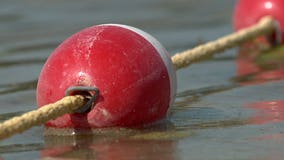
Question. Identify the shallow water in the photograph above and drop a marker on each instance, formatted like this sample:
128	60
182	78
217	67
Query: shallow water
215	116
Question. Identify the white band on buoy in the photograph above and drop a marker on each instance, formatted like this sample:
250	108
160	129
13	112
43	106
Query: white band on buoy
163	53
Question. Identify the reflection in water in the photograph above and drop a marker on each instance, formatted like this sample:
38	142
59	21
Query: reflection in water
155	142
256	63
213	124
277	136
137	149
152	142
267	112
255	67
258	66
108	148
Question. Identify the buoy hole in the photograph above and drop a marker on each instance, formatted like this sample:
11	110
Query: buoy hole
87	96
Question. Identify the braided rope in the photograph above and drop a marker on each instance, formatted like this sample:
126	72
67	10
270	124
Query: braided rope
40	116
185	58
72	103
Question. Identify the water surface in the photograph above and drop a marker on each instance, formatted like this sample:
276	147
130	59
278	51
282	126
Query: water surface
223	110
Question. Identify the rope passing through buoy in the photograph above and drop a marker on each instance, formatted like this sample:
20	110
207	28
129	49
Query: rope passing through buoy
130	93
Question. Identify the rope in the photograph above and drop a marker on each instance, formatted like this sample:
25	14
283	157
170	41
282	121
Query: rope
40	116
265	26
71	103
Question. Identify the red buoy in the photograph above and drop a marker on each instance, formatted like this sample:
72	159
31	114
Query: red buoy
249	12
131	69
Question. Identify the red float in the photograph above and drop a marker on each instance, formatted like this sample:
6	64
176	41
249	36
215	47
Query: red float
132	70
249	12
